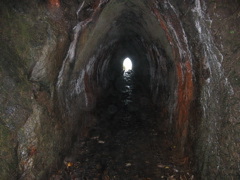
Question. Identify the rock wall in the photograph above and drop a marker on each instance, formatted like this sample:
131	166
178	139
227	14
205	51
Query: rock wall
218	144
34	38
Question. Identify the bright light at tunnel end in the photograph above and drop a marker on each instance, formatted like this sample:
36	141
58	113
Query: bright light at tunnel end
127	64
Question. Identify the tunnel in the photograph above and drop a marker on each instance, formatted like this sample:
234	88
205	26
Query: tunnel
113	90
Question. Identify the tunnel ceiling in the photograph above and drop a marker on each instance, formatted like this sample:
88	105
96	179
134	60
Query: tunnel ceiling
126	19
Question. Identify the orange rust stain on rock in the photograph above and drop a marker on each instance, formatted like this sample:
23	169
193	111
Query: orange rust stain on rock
97	10
54	3
185	96
166	30
96	4
32	151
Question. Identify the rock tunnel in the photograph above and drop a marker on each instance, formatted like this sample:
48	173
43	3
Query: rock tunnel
71	110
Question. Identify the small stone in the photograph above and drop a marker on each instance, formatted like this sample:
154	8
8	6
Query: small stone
128	164
175	170
160	166
95	137
171	178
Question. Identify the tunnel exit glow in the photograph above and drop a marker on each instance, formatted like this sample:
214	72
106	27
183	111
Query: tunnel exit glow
127	64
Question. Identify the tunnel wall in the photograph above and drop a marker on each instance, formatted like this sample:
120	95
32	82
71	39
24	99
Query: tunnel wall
184	90
201	78
217	92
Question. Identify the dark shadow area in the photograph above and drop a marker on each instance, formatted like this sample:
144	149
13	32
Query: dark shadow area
129	139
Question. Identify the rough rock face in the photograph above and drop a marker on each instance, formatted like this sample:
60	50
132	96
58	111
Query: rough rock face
59	57
34	39
219	127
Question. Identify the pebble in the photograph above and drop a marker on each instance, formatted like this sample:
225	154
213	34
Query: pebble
128	164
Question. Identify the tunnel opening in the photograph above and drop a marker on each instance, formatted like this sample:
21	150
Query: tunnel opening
127	64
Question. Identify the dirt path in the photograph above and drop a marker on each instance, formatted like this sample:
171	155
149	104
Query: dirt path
125	144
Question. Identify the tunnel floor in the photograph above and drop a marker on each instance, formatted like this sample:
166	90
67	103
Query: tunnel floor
126	143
